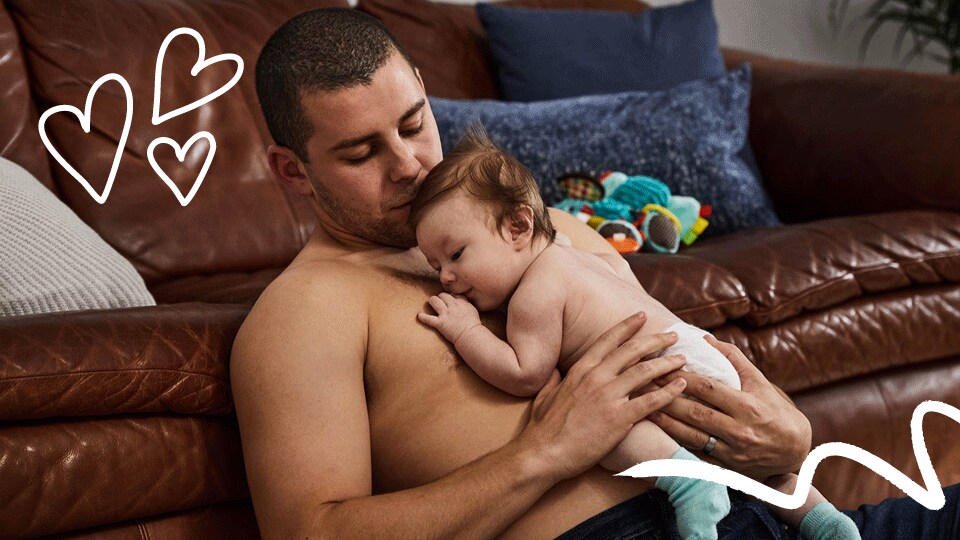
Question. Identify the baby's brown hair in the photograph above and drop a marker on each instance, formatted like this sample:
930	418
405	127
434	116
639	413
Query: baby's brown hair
481	169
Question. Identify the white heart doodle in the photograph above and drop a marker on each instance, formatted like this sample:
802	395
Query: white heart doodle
181	155
85	124
197	67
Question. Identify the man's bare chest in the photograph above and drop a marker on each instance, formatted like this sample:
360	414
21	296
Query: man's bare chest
422	400
401	347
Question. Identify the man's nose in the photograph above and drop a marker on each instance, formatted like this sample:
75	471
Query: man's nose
405	166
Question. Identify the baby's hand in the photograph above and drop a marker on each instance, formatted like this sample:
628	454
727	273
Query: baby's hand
455	315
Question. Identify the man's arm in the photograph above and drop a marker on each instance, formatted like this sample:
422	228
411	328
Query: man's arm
581	235
297	380
584	238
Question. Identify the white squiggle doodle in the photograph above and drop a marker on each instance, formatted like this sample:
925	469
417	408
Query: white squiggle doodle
932	497
197	67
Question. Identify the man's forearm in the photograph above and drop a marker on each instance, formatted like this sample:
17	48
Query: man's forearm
478	500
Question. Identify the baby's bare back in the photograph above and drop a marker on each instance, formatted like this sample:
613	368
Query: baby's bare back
597	298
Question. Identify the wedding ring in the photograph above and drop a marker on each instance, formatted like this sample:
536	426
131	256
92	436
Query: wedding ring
711	444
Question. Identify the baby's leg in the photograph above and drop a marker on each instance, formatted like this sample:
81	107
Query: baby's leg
699	505
816	519
645	441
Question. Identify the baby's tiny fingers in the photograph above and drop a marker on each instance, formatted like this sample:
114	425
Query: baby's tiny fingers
437	304
430	320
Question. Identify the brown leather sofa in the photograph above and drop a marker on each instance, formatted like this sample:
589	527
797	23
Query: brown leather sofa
119	424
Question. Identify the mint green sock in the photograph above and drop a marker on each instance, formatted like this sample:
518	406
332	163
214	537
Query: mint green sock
825	522
698	504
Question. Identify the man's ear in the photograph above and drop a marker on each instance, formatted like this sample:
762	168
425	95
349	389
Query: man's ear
521	227
289	169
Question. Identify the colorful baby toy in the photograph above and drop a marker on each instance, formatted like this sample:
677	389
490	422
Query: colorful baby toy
634	211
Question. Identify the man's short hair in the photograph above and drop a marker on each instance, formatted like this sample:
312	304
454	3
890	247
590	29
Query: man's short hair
487	173
320	50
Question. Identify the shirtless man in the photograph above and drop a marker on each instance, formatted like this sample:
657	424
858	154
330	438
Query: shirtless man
358	421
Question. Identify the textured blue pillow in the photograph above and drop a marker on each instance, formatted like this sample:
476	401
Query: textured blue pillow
550	54
687	136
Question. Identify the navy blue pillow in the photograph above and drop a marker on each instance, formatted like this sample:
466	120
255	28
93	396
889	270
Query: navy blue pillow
687	136
550	54
558	53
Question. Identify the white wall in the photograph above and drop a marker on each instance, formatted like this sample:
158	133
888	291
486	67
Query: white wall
800	30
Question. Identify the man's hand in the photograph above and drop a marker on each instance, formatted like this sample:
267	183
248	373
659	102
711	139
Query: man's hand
576	422
758	429
455	316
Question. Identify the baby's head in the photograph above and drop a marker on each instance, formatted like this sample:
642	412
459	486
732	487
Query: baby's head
480	221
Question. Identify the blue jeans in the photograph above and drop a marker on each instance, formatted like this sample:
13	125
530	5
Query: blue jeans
650	516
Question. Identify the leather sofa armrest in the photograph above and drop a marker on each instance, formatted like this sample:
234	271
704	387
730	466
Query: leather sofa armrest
834	141
168	358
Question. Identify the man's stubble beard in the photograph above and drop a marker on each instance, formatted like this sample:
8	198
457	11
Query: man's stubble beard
394	234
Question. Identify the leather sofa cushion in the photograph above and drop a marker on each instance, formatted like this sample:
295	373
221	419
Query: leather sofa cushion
142	360
699	292
862	336
92	472
142	218
811	266
448	44
19	139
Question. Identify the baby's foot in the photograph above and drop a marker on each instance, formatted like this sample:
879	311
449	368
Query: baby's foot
816	519
698	504
787	483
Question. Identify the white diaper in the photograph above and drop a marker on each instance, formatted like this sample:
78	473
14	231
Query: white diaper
701	357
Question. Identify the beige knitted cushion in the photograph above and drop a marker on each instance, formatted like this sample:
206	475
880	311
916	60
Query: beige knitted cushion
50	260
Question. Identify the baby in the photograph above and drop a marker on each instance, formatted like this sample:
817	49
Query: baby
481	223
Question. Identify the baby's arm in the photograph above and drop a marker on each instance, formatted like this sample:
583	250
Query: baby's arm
534	326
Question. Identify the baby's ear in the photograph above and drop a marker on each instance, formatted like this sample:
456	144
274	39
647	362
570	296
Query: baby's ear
521	226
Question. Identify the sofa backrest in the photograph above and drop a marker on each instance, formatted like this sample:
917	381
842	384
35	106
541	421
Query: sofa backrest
19	140
241	218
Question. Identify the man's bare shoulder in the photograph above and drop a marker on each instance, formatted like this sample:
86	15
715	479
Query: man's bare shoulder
581	235
318	276
304	303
